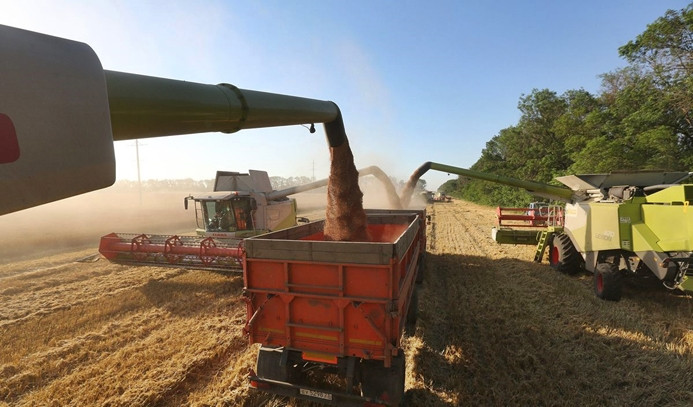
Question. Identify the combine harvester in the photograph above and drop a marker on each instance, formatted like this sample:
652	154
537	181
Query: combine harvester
614	225
241	206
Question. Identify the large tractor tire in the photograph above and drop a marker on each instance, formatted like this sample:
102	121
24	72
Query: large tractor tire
608	282
383	383
563	256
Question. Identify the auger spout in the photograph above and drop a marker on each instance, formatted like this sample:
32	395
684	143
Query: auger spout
146	106
536	188
57	133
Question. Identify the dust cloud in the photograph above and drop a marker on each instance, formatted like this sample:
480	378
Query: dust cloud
79	222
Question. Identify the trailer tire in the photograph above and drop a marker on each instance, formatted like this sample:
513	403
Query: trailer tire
563	256
383	383
608	282
420	268
412	312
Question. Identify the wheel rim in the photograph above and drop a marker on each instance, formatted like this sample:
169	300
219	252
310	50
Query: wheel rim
600	282
554	255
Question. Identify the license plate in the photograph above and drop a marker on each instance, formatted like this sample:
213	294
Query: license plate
316	394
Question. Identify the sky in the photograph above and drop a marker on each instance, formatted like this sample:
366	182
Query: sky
415	81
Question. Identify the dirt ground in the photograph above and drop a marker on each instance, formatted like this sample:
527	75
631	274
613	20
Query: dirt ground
494	328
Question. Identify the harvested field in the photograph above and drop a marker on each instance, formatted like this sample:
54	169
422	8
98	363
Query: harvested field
493	329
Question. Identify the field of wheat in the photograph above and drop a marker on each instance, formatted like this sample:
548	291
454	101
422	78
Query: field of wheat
494	328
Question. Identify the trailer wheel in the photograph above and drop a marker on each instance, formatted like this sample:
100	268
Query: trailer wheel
383	383
412	311
563	256
608	281
420	268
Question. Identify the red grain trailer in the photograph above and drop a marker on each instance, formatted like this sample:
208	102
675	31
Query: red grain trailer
330	314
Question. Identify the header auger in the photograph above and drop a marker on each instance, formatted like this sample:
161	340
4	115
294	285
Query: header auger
614	225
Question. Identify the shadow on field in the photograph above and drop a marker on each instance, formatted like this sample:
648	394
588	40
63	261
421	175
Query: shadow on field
512	332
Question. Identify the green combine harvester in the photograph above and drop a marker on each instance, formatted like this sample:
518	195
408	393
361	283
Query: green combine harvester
613	225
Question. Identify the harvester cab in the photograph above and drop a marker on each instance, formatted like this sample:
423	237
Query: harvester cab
239	207
224	214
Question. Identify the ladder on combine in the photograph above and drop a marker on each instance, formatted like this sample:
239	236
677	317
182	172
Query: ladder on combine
528	226
544	239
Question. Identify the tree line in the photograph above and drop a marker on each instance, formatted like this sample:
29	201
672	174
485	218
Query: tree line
642	119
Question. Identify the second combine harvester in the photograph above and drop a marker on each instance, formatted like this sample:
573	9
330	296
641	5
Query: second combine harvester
615	225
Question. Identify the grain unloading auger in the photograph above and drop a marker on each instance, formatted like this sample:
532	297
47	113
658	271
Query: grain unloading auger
60	113
241	206
615	225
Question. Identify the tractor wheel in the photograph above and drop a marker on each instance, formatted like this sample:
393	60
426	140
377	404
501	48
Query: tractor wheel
563	256
383	383
608	282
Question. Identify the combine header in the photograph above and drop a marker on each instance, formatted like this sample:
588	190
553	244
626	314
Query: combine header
535	225
176	251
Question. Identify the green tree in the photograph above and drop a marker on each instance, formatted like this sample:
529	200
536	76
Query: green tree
665	49
534	150
449	187
630	129
641	120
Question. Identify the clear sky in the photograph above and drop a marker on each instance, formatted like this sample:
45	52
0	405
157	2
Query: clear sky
416	81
